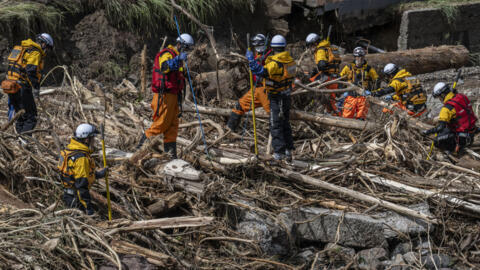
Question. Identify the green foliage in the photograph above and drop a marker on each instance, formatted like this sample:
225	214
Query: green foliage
141	16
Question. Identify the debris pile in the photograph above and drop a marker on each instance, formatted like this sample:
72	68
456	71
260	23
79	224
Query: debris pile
359	194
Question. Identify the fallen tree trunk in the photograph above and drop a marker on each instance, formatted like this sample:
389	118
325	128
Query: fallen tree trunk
427	193
298	115
419	61
353	194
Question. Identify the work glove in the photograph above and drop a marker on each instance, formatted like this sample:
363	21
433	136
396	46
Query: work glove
36	93
101	173
250	56
367	93
345	95
182	56
388	98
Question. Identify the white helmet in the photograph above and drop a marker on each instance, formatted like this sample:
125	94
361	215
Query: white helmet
85	130
439	89
278	41
359	51
312	38
390	69
186	40
46	38
258	40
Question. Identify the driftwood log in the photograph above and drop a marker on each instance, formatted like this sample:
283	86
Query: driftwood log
419	61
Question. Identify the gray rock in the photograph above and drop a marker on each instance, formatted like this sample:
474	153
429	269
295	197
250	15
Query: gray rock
398	263
394	223
307	256
441	261
332	248
423	248
355	230
410	258
273	238
401	249
131	262
370	258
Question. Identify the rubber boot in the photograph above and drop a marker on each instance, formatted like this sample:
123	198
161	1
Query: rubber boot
142	141
233	121
171	149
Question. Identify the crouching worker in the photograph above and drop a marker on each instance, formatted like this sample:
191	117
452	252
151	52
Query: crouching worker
405	89
77	169
456	127
168	83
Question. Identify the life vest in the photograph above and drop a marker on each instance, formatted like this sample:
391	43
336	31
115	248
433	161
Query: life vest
359	76
278	83
261	60
66	172
333	59
412	92
173	82
465	118
16	72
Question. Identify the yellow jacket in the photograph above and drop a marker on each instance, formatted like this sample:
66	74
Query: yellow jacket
32	62
281	71
364	76
447	113
81	164
320	53
399	85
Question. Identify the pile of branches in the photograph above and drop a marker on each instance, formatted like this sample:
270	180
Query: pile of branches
178	223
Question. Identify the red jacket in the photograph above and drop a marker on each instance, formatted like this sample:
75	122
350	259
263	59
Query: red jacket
465	117
172	82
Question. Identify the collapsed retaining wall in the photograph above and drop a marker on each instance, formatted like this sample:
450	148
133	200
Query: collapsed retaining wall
426	27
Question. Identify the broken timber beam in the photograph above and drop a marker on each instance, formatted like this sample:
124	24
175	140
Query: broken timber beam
298	115
427	193
305	179
164	223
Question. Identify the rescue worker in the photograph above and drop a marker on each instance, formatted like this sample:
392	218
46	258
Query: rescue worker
22	84
279	72
327	67
77	169
260	98
456	121
359	73
405	88
168	84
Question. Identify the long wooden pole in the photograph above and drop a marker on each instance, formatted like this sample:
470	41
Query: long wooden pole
353	194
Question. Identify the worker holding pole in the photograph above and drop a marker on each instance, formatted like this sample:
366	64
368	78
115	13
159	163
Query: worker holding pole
77	169
279	73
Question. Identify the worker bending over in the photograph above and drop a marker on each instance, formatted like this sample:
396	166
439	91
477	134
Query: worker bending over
456	121
244	104
77	169
405	88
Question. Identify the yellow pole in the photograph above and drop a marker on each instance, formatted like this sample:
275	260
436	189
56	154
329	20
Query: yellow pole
106	174
252	91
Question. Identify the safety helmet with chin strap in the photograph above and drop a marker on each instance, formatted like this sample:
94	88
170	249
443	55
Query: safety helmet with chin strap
84	131
359	52
440	89
186	40
312	38
390	69
45	38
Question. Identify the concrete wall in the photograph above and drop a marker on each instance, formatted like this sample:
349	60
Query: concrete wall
426	27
